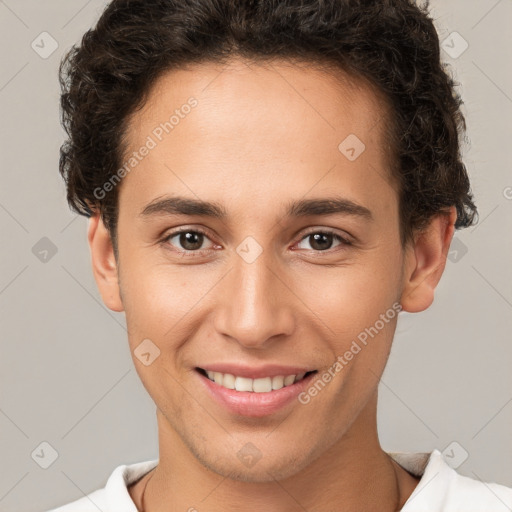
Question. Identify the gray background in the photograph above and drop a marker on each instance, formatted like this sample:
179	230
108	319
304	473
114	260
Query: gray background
66	373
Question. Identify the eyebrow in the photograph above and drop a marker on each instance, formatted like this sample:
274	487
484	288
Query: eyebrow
177	205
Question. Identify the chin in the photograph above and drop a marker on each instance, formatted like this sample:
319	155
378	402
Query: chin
266	469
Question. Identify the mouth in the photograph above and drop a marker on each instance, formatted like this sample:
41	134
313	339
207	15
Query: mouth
260	385
256	398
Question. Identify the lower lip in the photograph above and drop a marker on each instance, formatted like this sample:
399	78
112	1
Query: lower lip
256	405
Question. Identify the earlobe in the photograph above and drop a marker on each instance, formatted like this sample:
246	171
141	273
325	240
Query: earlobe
104	265
425	261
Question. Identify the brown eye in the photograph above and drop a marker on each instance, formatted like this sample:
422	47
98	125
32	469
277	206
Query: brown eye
323	240
191	240
187	240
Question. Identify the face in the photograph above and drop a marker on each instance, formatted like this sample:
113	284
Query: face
295	257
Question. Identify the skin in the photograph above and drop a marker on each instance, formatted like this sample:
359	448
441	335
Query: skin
259	137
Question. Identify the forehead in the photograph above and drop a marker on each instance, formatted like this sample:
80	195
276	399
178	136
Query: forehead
255	127
320	92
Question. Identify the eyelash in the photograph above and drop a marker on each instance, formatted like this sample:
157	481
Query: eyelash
202	252
185	253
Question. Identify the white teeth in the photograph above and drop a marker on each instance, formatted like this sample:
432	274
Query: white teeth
228	381
243	384
261	385
277	382
289	379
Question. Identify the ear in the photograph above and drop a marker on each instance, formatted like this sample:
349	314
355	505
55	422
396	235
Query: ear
104	265
425	260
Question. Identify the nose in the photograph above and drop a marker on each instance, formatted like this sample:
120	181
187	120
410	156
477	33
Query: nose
256	305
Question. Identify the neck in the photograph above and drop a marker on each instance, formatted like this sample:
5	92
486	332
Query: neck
353	474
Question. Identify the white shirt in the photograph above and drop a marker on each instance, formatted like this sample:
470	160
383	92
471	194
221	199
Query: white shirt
441	489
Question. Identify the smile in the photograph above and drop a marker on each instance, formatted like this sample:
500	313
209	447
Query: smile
260	385
253	394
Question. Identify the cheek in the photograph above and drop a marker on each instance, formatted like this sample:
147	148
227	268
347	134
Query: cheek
358	308
157	297
352	296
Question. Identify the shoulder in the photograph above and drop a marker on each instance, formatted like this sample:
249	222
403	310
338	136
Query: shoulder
442	489
465	492
114	497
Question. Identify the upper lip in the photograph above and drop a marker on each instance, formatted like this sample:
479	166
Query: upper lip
255	372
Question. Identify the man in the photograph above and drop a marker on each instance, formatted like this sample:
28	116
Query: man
267	182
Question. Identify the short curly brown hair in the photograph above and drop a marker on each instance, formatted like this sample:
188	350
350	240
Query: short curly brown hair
391	44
